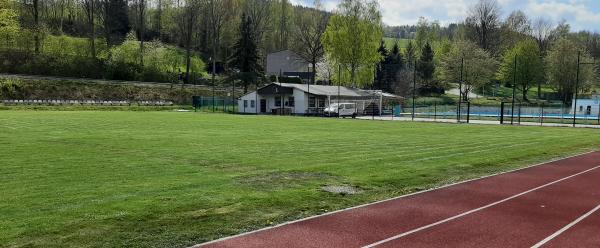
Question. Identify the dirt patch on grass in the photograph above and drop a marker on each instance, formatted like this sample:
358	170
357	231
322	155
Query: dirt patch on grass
281	180
342	189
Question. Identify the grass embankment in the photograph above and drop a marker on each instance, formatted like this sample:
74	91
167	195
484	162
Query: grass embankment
162	179
33	89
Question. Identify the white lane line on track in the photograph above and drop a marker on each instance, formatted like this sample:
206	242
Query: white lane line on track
567	227
474	210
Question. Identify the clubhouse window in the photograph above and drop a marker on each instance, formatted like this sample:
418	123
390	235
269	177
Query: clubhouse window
311	102
321	102
291	102
245	103
252	103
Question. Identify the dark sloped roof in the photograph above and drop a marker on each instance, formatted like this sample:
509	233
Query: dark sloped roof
327	90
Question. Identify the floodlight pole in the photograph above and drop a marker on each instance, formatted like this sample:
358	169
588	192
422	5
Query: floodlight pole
339	86
214	68
462	65
414	89
233	96
576	89
512	112
281	97
309	78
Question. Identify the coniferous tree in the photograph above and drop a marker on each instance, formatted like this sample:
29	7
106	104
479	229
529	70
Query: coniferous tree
116	21
381	67
394	65
245	54
426	68
410	54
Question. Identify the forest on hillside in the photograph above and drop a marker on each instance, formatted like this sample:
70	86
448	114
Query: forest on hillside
147	40
186	40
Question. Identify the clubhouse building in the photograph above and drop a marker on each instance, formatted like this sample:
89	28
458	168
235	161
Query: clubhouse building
304	99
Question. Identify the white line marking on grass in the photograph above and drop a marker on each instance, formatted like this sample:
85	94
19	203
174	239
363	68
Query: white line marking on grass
390	199
475	210
567	227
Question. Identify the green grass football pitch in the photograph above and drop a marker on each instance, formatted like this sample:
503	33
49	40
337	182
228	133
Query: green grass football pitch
165	179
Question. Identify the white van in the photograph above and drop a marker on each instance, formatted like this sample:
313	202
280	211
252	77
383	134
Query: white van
345	110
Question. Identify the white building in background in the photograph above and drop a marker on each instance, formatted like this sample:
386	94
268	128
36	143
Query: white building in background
302	99
589	107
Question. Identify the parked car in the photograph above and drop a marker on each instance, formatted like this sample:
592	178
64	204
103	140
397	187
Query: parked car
341	110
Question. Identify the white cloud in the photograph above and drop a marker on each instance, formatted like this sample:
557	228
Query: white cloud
575	12
581	14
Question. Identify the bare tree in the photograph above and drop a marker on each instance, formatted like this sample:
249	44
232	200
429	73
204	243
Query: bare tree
518	22
35	10
542	30
310	27
90	10
484	19
141	12
187	20
283	25
217	12
159	13
259	12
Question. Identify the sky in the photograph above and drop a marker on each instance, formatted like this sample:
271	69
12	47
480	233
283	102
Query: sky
580	14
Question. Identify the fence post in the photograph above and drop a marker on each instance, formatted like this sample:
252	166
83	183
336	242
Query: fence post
501	113
520	113
542	116
434	111
468	112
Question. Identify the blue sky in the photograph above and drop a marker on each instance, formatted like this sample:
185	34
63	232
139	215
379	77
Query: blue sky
580	14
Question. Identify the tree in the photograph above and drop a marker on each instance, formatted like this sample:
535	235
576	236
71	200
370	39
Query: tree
352	38
426	69
479	67
530	67
410	54
381	66
217	14
187	20
484	20
90	12
561	68
427	32
9	22
115	19
395	64
141	8
245	54
516	28
283	24
36	26
518	22
310	27
159	15
542	29
259	12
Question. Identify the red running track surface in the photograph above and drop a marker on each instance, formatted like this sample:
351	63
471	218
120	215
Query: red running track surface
516	209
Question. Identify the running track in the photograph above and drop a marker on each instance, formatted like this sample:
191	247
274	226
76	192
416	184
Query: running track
556	204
